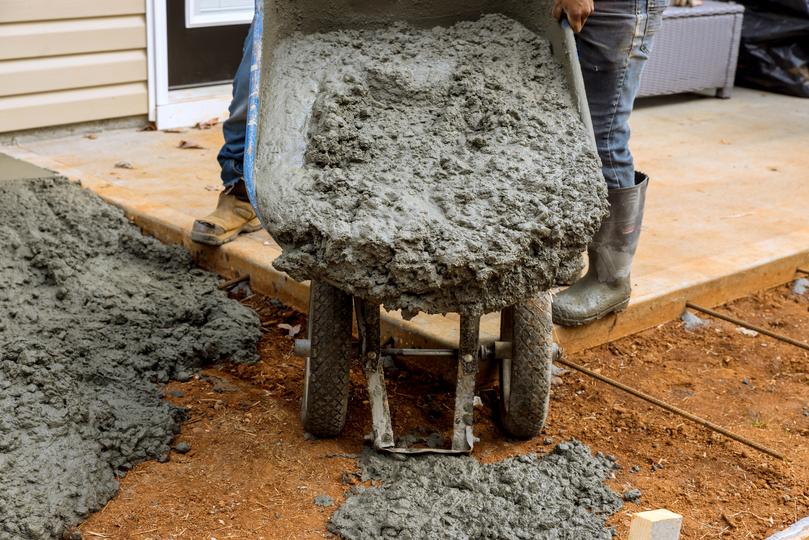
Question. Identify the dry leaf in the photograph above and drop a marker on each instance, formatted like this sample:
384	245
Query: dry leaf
211	187
124	165
149	127
190	145
207	124
174	130
91	136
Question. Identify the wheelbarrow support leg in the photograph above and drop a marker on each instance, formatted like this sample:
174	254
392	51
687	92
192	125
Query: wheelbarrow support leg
468	354
468	350
369	330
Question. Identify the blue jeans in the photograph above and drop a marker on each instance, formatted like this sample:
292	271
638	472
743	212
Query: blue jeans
231	156
613	48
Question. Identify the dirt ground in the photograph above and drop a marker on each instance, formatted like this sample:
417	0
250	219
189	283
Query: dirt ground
250	473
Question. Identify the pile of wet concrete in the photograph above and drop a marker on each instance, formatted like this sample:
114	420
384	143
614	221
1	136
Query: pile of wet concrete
562	495
94	318
439	169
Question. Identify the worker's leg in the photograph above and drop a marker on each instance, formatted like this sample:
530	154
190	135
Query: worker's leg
613	48
231	156
234	214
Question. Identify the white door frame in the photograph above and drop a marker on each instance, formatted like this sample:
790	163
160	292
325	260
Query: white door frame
176	108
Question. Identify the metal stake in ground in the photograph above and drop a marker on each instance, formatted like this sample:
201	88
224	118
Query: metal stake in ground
229	284
672	408
738	322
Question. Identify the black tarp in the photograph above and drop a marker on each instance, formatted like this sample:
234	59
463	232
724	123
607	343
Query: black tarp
774	52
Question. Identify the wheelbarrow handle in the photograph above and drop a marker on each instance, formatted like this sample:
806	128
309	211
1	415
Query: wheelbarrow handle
251	134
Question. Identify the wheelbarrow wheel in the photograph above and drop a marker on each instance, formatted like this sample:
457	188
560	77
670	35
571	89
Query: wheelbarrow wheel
325	383
525	378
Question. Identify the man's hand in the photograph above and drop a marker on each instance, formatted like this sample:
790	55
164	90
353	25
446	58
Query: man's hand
577	12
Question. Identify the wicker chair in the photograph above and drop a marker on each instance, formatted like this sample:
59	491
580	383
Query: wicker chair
695	50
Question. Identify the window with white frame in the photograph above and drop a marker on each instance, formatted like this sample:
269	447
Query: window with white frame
199	13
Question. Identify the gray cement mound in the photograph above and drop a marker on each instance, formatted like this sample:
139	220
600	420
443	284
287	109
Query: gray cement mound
561	496
435	170
94	316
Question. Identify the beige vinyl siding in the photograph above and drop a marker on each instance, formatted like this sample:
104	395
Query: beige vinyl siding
14	11
69	61
35	75
72	106
38	39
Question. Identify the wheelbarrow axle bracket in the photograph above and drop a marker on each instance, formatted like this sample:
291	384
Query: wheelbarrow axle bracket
469	354
497	350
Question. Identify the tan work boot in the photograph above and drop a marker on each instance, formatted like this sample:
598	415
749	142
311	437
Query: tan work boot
606	286
233	215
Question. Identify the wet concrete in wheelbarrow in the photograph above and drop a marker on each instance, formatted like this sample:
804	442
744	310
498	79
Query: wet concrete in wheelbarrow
435	170
94	318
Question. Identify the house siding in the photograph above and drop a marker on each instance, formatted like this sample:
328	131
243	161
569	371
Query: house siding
71	61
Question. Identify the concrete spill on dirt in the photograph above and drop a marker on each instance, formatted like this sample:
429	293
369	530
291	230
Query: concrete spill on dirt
435	170
691	322
559	496
94	316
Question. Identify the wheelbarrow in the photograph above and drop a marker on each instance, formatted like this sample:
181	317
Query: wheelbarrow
524	352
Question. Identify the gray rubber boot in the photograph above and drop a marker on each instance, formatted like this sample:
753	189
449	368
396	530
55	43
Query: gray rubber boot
606	287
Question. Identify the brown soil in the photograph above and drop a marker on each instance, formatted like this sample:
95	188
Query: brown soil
251	474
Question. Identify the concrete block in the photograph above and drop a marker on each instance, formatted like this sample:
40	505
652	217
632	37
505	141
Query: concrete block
656	525
798	531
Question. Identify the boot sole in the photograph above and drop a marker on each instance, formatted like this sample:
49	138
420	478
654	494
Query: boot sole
617	308
227	236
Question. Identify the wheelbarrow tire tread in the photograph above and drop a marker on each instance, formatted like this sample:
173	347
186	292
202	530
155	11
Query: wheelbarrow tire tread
324	413
531	334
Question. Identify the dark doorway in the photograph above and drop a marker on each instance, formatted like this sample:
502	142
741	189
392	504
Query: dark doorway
201	56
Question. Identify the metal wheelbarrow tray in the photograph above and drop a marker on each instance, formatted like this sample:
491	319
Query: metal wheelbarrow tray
525	349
